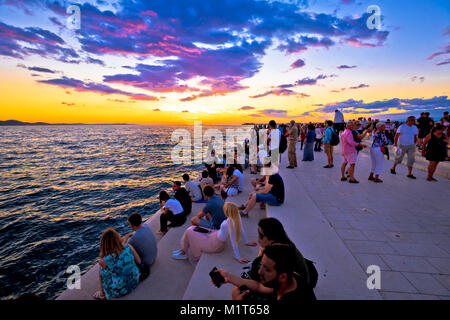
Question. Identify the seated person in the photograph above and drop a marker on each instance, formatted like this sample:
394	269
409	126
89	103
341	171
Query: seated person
183	197
171	210
212	215
231	182
238	172
194	243
143	241
119	273
278	281
193	188
205	180
271	193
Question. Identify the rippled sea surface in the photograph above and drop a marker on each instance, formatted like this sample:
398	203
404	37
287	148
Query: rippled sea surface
61	186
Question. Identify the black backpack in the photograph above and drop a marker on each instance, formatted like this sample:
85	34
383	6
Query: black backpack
334	141
283	143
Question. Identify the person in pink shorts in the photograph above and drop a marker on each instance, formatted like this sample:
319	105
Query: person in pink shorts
348	152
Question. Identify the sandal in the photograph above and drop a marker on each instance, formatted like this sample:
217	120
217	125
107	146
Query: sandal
353	181
343	179
99	295
377	180
243	214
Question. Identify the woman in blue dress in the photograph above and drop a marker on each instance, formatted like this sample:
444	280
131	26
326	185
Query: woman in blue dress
119	273
308	153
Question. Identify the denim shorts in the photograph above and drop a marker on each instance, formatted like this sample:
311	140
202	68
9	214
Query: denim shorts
268	198
206	224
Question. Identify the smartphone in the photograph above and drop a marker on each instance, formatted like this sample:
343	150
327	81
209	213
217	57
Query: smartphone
201	230
216	277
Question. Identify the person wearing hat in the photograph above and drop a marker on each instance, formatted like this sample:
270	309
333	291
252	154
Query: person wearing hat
380	141
292	143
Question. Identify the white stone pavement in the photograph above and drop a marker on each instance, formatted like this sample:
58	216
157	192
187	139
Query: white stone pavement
401	225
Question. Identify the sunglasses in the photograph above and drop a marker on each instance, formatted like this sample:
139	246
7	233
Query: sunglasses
260	235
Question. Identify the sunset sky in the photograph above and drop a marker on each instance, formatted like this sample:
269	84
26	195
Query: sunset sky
227	61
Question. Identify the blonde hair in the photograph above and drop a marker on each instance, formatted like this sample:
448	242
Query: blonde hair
232	212
111	243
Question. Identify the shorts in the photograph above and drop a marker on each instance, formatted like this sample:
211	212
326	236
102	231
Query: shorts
268	198
206	224
328	148
349	158
232	191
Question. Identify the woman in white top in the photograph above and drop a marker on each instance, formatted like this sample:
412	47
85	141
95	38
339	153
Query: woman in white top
318	138
194	243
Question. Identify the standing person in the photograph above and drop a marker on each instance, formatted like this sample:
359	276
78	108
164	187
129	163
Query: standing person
302	136
274	139
183	197
292	143
171	210
406	139
318	138
339	123
380	142
212	215
194	243
119	274
348	152
192	188
144	242
308	154
424	124
328	147
435	149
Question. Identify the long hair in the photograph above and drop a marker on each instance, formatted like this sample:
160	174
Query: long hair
111	243
274	230
231	211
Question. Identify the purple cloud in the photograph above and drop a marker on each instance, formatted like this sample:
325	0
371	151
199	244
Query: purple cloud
246	108
78	85
298	64
344	66
362	85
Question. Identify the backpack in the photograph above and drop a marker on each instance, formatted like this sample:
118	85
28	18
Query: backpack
313	274
283	143
334	141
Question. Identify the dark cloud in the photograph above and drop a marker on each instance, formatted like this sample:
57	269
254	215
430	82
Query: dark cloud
362	85
81	86
246	108
355	106
298	64
344	66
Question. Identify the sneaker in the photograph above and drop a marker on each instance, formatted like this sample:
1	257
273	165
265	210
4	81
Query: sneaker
179	256
327	166
176	251
411	176
378	180
353	181
393	171
290	167
371	178
343	179
243	214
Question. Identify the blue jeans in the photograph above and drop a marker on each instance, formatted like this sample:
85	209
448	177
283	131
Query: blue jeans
268	198
206	224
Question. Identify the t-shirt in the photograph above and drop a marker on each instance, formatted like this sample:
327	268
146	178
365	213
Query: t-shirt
301	293
174	206
319	133
206	181
338	117
425	124
277	187
194	191
215	208
185	200
144	242
275	136
239	174
407	134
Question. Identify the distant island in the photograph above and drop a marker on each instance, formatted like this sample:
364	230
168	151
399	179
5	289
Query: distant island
21	123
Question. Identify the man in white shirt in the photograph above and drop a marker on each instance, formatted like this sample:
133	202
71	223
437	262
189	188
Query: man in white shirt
171	210
193	188
406	139
274	141
339	124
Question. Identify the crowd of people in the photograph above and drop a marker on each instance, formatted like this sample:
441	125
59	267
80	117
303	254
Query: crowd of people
279	272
